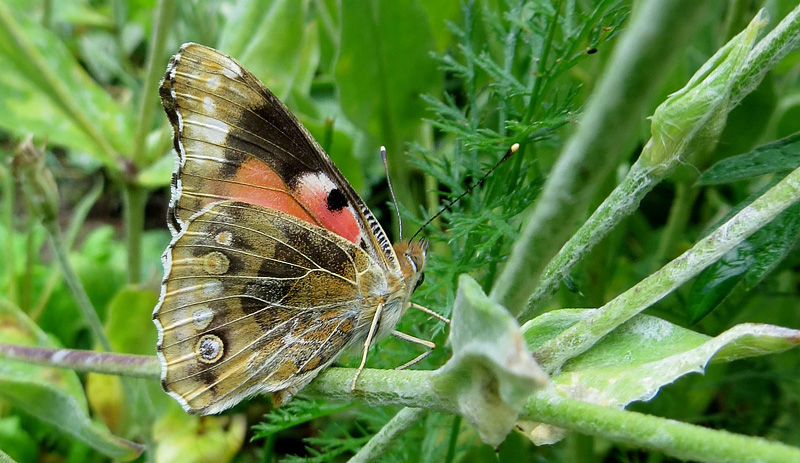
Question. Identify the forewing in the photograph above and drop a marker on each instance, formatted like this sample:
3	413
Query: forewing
254	300
236	141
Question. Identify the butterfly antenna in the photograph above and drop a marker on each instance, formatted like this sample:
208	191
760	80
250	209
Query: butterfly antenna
514	148
391	191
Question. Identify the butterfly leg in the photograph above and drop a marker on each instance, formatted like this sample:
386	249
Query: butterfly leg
430	312
372	329
414	340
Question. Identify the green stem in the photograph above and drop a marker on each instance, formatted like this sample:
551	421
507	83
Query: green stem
10	264
386	437
584	334
148	100
623	201
768	51
26	290
538	78
54	86
452	442
79	213
652	41
685	196
135	198
685	441
75	286
412	388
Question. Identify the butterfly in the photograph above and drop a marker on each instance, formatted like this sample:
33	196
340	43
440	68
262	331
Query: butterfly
276	265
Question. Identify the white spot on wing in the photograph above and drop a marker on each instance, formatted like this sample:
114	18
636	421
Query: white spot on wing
212	287
202	316
208	105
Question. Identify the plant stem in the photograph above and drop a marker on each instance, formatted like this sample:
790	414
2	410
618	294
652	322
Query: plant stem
653	40
455	430
682	440
412	388
79	213
623	201
148	100
584	334
135	198
685	196
385	438
75	286
10	265
768	51
137	366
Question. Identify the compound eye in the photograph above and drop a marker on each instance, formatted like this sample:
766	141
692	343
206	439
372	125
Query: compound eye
419	280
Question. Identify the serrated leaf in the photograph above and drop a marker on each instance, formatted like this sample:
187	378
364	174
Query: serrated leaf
636	360
491	373
50	394
298	411
780	156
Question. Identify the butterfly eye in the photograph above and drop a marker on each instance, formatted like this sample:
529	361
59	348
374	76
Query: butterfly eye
419	280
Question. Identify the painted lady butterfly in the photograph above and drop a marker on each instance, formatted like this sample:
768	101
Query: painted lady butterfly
275	265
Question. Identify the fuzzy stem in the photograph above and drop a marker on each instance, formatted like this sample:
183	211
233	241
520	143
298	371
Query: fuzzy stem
767	52
623	201
137	366
654	38
685	441
386	437
148	100
412	388
584	334
75	286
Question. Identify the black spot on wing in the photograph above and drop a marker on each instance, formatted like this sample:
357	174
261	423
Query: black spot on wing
336	200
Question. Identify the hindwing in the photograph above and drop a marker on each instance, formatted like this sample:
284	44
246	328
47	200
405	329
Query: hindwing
257	300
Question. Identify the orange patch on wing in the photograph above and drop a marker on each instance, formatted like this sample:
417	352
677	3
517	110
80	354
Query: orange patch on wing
342	222
257	183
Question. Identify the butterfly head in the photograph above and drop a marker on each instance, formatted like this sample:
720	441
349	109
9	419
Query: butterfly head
411	255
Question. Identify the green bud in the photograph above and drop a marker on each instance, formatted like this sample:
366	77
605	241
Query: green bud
691	119
36	180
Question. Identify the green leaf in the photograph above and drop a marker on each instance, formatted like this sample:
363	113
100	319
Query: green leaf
271	40
43	90
194	439
646	353
16	441
780	156
50	394
298	411
158	174
382	72
491	373
747	264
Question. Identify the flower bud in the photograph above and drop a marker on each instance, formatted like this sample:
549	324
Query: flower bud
692	118
36	180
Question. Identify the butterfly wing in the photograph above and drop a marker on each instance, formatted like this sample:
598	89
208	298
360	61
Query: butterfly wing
236	140
256	300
